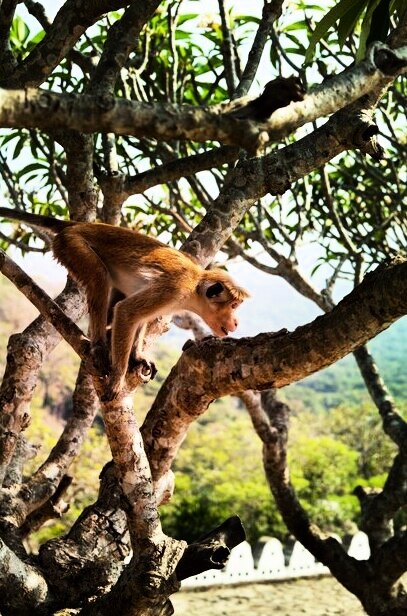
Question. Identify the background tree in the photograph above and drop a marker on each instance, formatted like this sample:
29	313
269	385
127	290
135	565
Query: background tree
112	99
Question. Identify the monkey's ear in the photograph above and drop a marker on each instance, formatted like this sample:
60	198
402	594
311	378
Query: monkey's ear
214	291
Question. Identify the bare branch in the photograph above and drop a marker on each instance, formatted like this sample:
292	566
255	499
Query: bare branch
166	121
228	51
271	12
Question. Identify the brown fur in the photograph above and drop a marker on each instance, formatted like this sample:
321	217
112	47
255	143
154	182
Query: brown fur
152	278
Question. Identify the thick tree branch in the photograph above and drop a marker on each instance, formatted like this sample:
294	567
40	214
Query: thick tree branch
87	113
328	550
22	588
79	179
390	562
216	367
26	353
49	110
274	174
91	555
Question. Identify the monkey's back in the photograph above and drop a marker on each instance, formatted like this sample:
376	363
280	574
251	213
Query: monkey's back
124	253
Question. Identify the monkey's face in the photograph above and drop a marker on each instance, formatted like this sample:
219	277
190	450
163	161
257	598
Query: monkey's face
217	303
222	318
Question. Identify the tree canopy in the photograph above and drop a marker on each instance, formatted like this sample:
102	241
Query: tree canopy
276	137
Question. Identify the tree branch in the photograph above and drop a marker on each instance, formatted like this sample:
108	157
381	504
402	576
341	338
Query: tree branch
7	59
272	10
268	360
63	324
50	110
274	173
212	550
71	21
121	39
22	587
26	353
175	169
45	481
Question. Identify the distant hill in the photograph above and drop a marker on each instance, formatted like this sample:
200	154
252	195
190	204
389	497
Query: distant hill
342	383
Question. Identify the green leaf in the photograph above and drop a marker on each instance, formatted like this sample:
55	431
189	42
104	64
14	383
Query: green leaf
7	138
32	167
349	20
19	146
187	17
338	11
19	30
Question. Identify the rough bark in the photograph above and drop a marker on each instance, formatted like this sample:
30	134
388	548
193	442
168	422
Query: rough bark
26	352
216	368
49	110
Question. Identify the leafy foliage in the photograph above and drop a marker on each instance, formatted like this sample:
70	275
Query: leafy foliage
216	478
372	16
353	211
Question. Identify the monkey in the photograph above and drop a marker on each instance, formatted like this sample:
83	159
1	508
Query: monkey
149	278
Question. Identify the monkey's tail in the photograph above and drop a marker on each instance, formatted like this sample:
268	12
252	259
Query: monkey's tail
35	220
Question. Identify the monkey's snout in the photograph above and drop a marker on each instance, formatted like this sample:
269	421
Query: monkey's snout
233	325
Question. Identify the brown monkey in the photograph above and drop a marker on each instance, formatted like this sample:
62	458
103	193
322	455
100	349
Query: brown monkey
151	278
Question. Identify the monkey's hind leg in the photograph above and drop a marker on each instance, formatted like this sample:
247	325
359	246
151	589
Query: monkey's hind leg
89	271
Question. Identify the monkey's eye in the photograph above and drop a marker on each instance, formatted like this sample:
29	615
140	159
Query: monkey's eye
214	290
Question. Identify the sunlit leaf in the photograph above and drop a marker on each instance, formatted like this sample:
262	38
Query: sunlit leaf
338	11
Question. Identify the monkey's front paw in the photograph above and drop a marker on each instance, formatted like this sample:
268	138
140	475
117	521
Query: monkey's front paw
144	368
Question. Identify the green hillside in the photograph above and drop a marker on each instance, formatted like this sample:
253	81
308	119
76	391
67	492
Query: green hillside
342	383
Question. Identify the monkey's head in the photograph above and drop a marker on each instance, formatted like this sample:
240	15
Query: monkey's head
220	298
